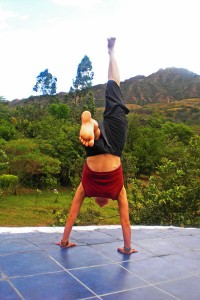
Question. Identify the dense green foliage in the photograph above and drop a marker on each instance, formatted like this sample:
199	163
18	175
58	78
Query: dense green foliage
8	182
172	195
169	154
40	149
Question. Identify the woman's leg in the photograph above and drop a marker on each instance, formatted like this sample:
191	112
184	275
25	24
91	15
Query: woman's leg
113	70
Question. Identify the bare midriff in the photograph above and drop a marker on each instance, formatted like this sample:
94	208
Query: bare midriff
103	162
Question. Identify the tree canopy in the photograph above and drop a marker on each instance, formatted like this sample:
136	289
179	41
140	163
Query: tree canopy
80	93
84	75
46	83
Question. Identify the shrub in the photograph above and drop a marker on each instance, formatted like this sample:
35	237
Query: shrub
8	182
173	193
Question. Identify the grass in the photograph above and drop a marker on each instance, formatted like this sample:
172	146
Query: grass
32	208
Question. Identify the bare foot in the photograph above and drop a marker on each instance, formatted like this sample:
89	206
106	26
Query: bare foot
65	245
111	44
89	130
121	250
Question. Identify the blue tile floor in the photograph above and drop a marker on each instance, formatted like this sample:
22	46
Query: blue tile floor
166	267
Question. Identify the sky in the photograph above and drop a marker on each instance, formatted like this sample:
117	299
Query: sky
56	34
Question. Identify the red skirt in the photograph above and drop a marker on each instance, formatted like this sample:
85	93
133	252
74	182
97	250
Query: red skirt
102	184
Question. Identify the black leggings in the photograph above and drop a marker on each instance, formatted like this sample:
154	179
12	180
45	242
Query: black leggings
114	126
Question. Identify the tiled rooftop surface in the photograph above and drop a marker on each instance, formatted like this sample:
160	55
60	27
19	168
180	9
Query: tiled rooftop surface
166	267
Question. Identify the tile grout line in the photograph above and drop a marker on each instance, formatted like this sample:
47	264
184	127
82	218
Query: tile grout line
116	262
178	278
165	292
68	272
165	281
137	288
33	275
5	278
16	290
148	283
24	251
111	262
91	298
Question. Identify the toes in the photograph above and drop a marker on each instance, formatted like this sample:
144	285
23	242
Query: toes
87	143
83	141
57	243
91	143
72	245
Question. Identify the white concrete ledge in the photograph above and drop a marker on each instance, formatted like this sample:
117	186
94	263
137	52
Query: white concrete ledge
78	228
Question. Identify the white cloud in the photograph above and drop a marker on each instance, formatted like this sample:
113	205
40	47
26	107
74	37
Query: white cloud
150	35
24	17
77	3
5	15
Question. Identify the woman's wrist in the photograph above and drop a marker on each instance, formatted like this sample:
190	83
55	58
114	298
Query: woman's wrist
127	249
64	244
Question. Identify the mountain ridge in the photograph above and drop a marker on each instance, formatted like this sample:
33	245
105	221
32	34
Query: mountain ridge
163	86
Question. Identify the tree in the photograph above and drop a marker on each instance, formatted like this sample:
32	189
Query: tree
7	182
7	130
2	99
30	165
46	83
150	139
84	75
173	193
62	143
146	143
3	160
59	111
5	113
80	93
180	131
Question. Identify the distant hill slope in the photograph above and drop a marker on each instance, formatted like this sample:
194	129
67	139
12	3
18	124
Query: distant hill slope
164	86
